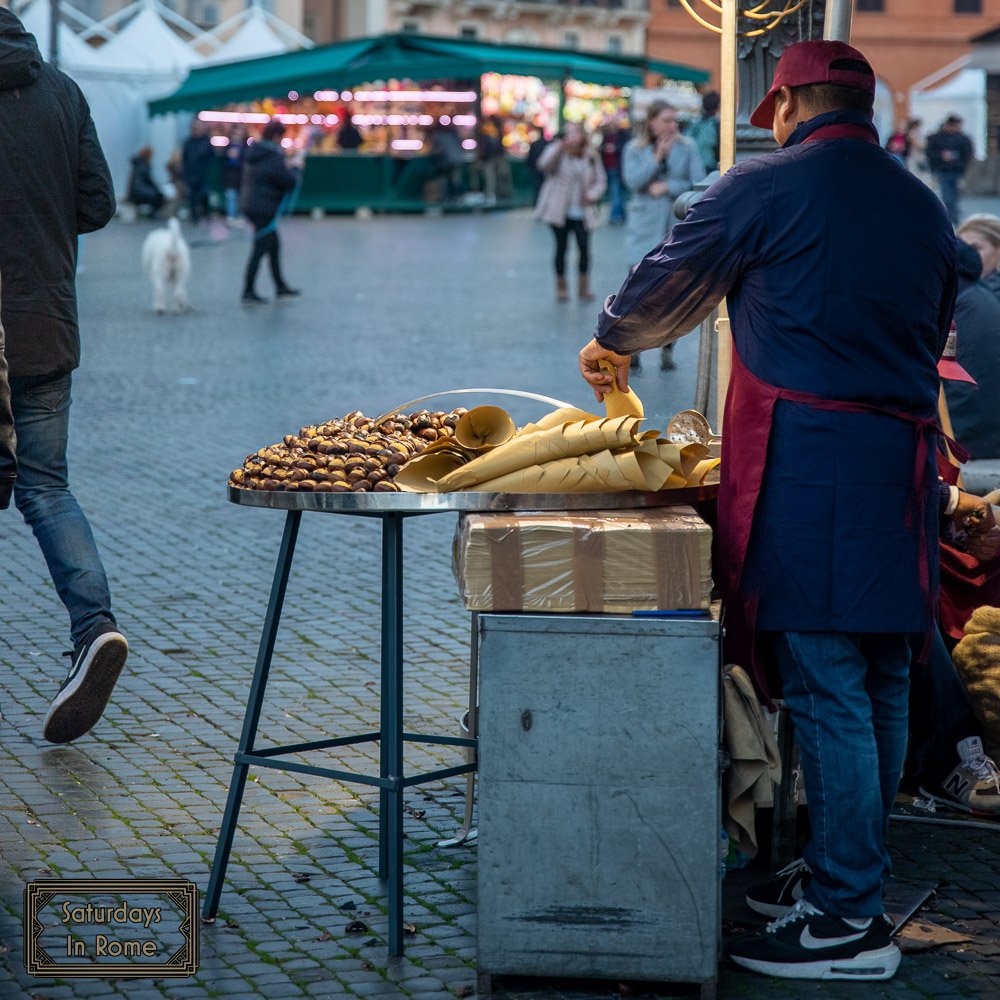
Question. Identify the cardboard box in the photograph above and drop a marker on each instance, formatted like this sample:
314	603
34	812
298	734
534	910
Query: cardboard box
608	562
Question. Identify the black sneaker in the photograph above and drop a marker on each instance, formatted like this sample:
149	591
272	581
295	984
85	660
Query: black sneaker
808	944
81	700
252	299
776	897
287	293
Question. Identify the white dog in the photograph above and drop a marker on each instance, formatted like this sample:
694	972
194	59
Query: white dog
166	258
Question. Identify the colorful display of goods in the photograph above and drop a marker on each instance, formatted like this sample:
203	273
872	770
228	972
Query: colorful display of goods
350	454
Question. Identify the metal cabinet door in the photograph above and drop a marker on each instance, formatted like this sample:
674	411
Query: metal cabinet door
599	812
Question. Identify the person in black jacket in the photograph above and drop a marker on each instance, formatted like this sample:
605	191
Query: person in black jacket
975	420
142	189
197	156
267	181
55	185
949	153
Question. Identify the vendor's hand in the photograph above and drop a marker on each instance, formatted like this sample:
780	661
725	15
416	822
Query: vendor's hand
973	514
601	380
657	189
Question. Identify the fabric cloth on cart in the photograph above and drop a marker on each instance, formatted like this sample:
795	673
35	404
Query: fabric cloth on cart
977	659
754	761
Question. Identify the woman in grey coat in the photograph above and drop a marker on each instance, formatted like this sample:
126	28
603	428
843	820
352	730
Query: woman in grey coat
658	166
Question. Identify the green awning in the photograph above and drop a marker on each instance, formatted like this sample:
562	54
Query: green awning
414	57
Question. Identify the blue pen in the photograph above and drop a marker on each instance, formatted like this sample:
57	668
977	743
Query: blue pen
676	613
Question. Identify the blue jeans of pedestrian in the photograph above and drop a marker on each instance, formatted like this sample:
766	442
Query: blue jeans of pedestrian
42	495
616	194
948	186
848	695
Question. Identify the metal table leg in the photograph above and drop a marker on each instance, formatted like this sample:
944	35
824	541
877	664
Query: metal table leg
391	749
252	717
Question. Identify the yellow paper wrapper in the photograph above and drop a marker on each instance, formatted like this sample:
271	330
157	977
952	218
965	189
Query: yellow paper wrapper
526	450
618	403
484	427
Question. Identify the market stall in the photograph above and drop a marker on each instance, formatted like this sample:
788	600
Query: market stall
382	117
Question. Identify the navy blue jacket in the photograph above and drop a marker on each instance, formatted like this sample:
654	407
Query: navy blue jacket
839	267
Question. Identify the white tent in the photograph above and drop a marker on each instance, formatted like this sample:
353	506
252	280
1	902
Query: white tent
962	93
253	38
73	52
149	44
252	32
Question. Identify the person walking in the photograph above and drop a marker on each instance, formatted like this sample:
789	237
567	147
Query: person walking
949	153
840	272
613	138
231	170
197	157
267	182
704	132
142	189
573	187
658	166
53	170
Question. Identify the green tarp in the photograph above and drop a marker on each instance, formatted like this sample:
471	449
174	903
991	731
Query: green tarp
414	57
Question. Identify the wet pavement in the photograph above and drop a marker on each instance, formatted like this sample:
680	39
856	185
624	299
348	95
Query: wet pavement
164	407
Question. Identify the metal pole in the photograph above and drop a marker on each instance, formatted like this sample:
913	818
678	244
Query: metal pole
837	26
54	32
727	156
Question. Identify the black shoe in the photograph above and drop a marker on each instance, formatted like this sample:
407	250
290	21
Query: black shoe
252	299
808	944
667	363
81	700
284	292
776	897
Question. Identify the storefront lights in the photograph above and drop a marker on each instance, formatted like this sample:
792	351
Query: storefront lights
407	143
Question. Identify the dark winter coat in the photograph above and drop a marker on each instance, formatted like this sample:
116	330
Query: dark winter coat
839	268
957	144
974	415
197	156
54	185
142	189
266	181
231	168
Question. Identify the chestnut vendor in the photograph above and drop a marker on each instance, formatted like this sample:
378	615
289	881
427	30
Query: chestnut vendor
840	272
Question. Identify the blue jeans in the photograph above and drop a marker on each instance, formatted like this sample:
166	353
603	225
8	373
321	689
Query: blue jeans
616	193
41	493
848	695
948	186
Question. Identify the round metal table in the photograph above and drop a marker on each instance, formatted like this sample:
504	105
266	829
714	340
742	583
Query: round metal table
392	509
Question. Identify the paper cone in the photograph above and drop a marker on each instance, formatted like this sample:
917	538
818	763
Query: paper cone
618	403
484	427
422	473
564	415
523	451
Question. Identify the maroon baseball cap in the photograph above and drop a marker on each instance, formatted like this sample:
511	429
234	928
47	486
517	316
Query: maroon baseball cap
814	62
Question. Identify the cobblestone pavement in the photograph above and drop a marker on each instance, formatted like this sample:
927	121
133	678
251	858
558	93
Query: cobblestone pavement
164	407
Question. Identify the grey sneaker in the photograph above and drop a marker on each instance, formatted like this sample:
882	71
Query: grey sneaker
92	676
974	786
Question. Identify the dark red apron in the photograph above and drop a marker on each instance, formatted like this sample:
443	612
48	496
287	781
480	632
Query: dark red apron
746	432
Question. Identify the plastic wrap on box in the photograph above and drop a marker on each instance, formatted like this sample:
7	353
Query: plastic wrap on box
608	562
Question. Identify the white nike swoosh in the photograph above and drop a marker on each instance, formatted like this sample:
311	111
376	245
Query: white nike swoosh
812	943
